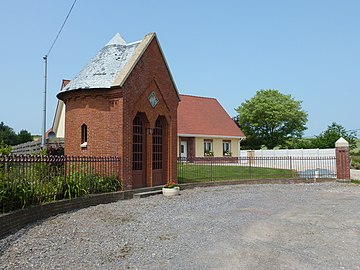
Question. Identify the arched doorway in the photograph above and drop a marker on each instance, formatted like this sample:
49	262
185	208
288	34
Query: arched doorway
139	152
159	152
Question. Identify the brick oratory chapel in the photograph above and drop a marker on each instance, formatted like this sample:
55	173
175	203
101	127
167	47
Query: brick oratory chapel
124	103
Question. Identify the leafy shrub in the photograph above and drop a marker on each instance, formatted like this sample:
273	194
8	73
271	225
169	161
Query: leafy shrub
355	161
55	149
16	195
4	148
75	186
21	186
110	184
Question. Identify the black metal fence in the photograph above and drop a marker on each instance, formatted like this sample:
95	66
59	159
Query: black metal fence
26	180
237	168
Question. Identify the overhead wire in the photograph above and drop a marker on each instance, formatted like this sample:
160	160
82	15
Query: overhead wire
43	139
61	28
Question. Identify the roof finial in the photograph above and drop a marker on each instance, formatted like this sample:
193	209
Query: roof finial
116	40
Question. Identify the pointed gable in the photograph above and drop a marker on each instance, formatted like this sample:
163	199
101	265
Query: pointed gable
140	50
113	64
102	70
203	116
117	40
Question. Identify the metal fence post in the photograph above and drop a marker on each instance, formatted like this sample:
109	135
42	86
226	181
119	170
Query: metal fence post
250	161
65	171
179	167
211	176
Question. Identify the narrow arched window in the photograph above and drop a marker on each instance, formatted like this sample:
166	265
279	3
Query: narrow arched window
83	133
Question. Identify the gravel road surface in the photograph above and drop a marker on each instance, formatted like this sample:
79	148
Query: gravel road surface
302	226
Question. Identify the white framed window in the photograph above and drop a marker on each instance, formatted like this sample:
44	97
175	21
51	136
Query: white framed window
208	148
226	148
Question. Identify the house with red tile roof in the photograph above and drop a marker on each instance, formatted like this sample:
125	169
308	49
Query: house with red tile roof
205	129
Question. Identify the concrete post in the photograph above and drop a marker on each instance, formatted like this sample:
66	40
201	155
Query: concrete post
342	160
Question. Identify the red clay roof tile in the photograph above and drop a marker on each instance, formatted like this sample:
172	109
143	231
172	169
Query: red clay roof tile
205	116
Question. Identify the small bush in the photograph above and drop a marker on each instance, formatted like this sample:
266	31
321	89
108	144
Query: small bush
5	149
44	184
55	149
355	162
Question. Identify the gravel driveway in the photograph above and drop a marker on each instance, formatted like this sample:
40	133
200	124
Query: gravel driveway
302	226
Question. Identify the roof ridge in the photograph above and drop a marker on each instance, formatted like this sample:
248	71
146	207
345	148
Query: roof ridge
197	96
205	116
132	43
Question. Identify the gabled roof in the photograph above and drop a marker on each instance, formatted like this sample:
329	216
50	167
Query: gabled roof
113	64
105	66
64	83
201	116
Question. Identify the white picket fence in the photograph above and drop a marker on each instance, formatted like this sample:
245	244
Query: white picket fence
34	148
289	153
28	148
316	161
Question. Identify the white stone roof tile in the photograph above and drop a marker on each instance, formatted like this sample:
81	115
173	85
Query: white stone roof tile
105	66
117	39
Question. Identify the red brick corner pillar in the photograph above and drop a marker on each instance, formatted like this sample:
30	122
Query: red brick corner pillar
342	160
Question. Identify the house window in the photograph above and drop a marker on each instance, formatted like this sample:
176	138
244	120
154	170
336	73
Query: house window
84	135
208	148
226	148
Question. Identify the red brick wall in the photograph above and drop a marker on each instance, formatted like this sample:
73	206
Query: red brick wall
150	74
190	146
109	115
103	116
342	163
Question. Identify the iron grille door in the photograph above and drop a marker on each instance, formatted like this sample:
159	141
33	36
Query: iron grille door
138	153
157	147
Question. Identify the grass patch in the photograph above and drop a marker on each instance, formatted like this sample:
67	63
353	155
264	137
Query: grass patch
188	173
355	181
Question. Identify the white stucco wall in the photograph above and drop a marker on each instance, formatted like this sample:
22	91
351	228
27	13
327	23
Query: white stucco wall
59	120
61	128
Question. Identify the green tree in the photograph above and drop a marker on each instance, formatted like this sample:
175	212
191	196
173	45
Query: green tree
9	137
24	136
333	132
4	148
7	134
270	118
299	143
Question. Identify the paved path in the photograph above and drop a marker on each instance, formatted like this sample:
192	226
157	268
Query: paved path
302	226
355	174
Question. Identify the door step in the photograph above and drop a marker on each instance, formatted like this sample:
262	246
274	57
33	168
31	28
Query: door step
147	194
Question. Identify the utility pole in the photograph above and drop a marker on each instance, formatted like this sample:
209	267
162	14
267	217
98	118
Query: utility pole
43	137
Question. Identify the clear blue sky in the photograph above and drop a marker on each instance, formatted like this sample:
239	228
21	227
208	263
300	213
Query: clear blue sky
223	49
